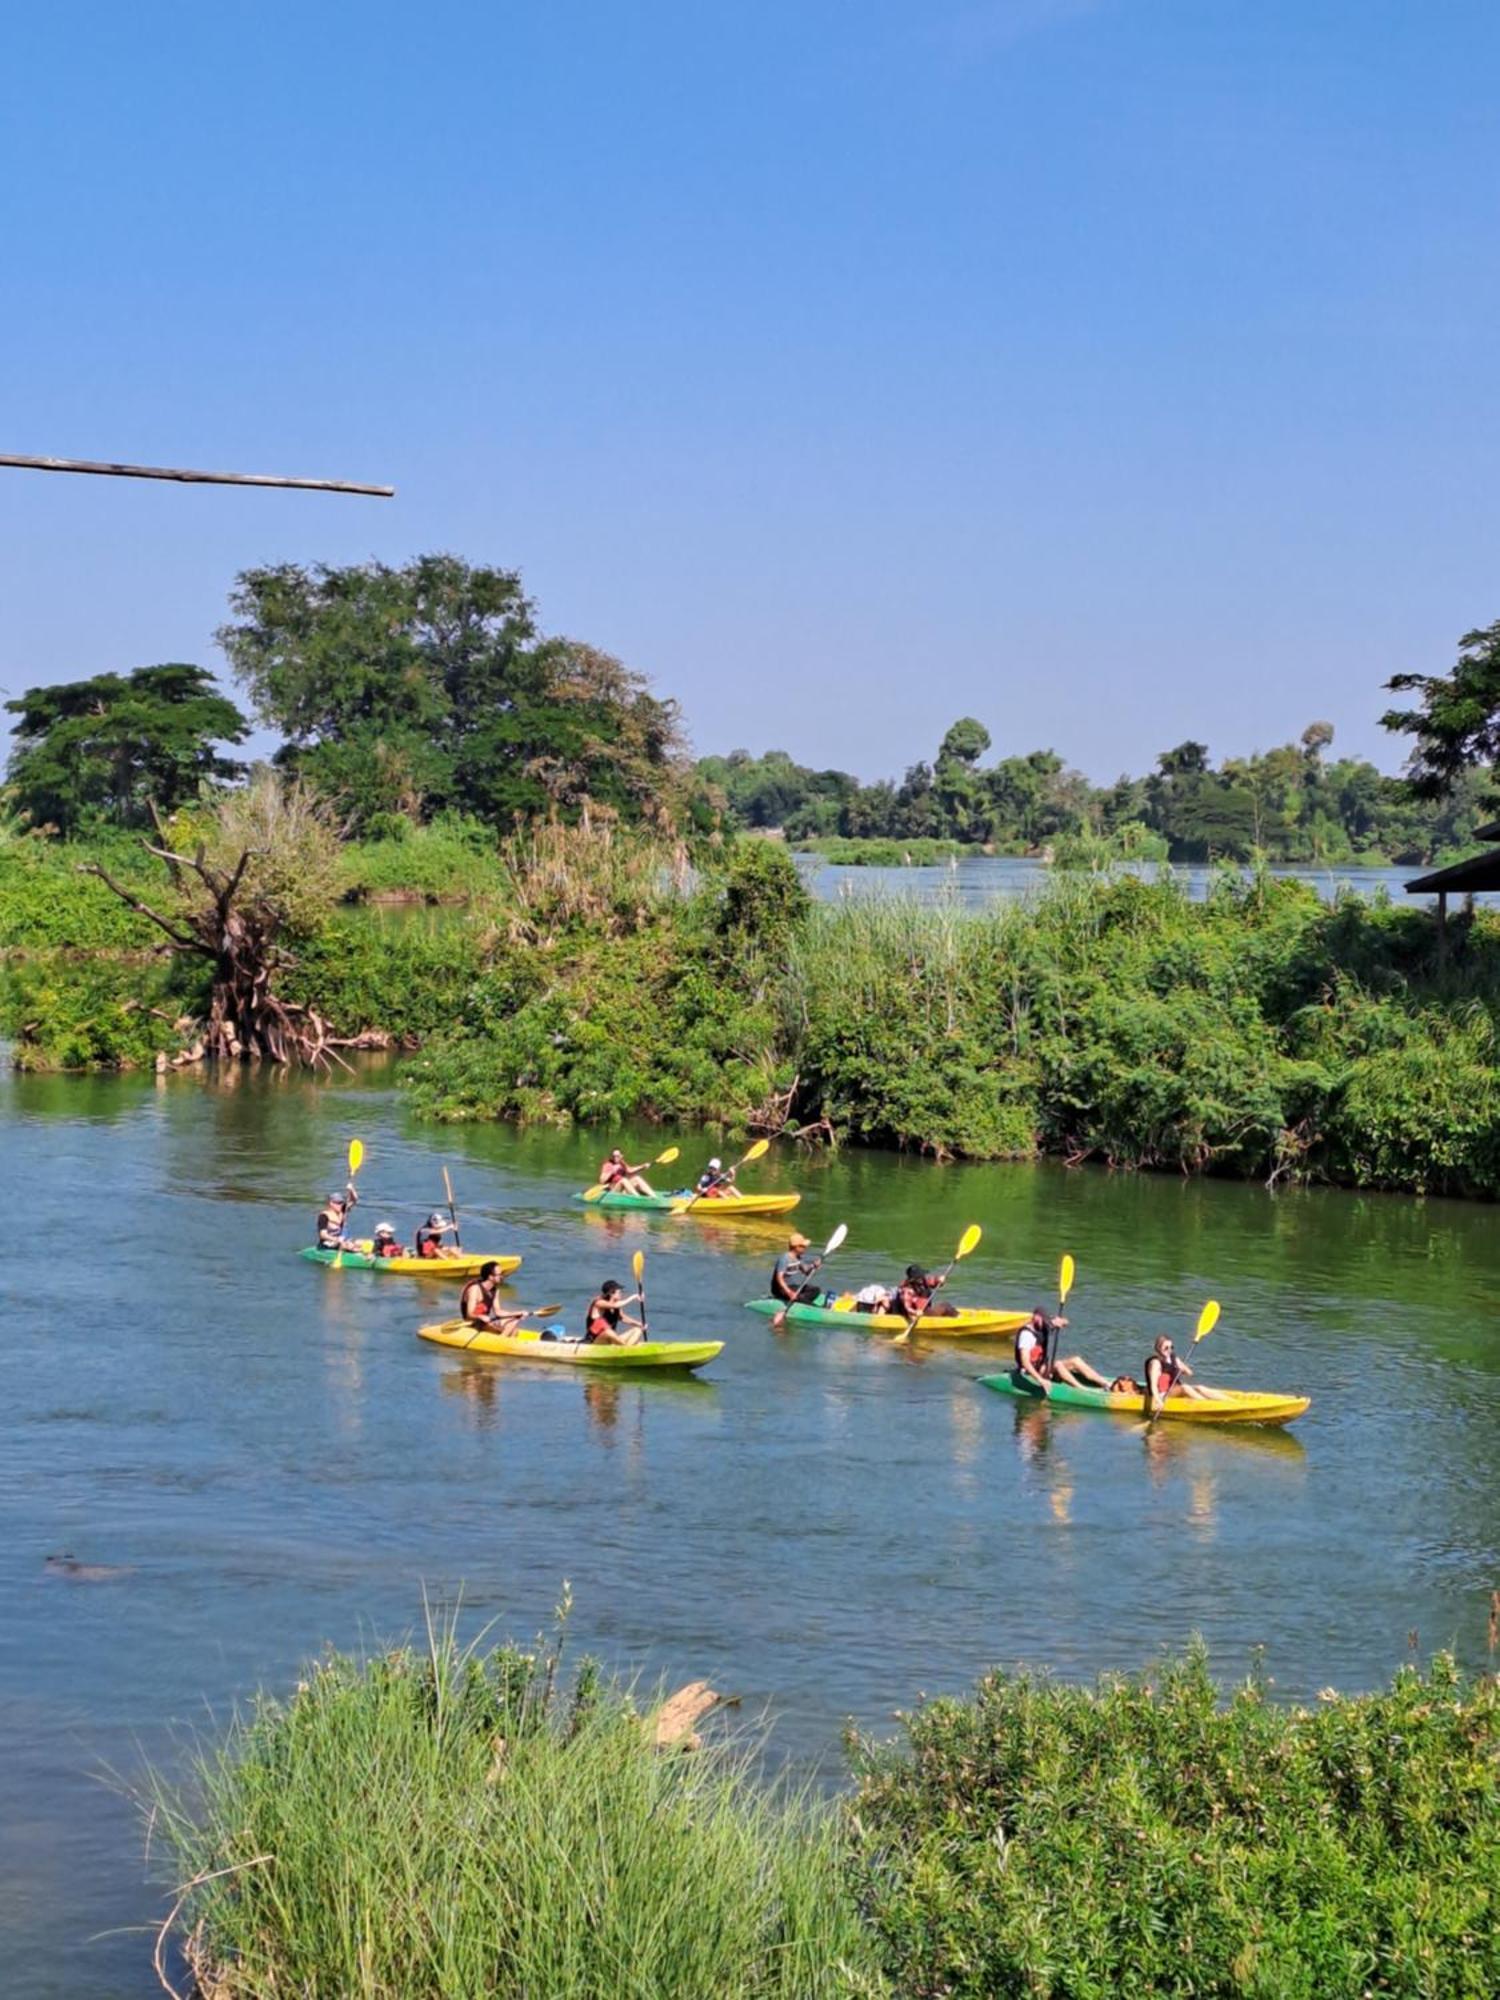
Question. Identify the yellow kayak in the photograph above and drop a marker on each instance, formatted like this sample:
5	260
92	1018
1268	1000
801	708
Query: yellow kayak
718	1207
571	1353
411	1267
1229	1406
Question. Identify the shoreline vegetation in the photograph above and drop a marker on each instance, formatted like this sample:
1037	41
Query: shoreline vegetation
600	974
447	1820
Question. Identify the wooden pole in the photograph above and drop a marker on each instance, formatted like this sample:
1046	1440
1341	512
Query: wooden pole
191	478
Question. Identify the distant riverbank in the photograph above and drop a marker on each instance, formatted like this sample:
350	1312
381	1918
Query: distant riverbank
1258	1031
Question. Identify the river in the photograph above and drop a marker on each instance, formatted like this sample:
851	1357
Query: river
266	1460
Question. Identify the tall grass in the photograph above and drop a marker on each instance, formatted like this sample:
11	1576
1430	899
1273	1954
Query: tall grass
449	1823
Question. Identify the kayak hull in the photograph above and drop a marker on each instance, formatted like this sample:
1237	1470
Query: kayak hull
572	1353
1230	1406
410	1267
720	1208
968	1323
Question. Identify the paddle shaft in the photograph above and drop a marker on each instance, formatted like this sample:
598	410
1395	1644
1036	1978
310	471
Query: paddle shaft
458	1241
904	1336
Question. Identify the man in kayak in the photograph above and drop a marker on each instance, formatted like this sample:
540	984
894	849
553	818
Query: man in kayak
913	1297
476	1305
620	1178
385	1242
430	1237
714	1182
606	1320
791	1272
331	1219
1165	1375
1038	1360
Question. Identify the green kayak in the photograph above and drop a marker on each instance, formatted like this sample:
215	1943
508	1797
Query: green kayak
964	1324
1229	1406
717	1208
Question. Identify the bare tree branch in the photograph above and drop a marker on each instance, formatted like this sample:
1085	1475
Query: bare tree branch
180	938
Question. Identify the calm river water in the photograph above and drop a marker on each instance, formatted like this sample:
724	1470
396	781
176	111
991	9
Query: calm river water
825	1525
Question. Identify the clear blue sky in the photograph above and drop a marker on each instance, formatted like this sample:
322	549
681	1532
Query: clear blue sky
1112	370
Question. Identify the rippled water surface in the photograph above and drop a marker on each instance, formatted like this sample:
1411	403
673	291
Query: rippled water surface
254	1457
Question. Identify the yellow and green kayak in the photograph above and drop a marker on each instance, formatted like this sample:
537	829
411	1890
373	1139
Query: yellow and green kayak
571	1353
411	1267
714	1208
965	1324
1229	1406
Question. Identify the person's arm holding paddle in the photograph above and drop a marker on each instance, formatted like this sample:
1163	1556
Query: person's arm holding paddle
791	1278
967	1242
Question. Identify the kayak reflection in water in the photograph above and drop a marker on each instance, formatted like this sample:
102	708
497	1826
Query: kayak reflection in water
476	1305
607	1321
1165	1373
1037	1358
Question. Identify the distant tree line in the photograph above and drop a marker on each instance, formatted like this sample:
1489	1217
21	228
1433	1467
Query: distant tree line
1294	803
403	694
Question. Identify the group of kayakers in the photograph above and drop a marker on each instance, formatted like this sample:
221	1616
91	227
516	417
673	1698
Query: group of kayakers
1036	1354
332	1231
606	1321
617	1176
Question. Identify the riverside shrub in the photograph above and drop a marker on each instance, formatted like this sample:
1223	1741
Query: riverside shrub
1148	1838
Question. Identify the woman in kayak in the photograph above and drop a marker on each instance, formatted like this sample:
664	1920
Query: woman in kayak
714	1182
1037	1360
620	1178
791	1272
914	1296
1165	1373
476	1305
331	1219
606	1320
430	1237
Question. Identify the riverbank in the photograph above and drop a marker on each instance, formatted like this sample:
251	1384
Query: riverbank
1152	1835
1259	1032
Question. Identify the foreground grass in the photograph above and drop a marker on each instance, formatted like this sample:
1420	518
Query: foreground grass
446	1823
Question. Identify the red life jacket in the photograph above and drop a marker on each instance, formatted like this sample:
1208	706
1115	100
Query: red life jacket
612	1171
1171	1371
604	1319
1035	1346
388	1247
475	1315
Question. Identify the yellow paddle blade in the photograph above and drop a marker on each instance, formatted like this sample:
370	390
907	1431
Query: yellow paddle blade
968	1241
1065	1279
593	1193
757	1151
356	1156
665	1159
1208	1319
638	1265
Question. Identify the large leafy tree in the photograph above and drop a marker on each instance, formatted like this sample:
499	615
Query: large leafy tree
107	750
1457	722
430	686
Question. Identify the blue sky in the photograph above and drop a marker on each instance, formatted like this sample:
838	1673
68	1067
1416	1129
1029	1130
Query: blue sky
1112	370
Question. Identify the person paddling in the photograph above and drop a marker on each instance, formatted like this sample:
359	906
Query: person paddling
914	1296
714	1182
332	1217
1166	1374
1038	1361
618	1177
430	1237
791	1272
477	1307
606	1320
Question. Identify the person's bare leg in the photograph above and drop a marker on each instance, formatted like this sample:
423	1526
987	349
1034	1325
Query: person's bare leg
1075	1365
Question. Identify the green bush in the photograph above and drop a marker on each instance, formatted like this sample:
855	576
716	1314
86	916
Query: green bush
448	1823
1150	1839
